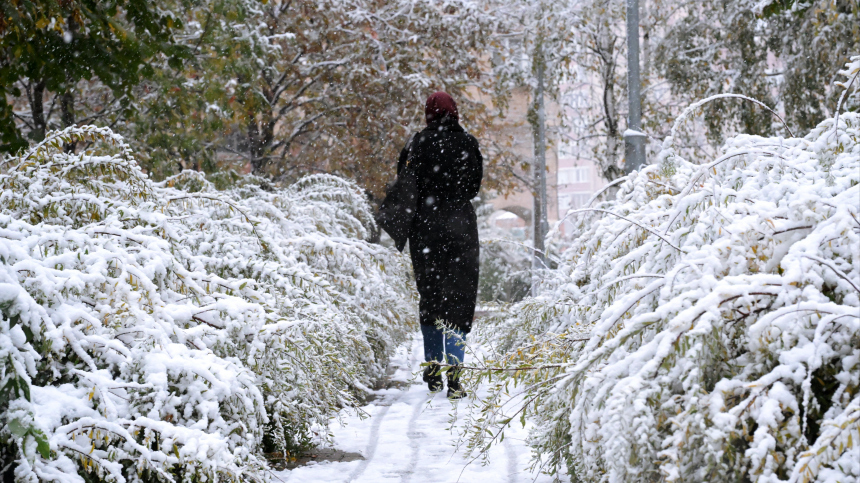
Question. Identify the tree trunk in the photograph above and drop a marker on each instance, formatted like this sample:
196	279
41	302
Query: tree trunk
646	42
606	46
254	148
261	134
67	115
67	98
375	232
539	220
37	110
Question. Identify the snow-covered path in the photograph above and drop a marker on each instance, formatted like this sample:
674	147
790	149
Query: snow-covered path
407	439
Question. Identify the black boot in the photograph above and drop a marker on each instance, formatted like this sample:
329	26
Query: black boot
433	378
455	389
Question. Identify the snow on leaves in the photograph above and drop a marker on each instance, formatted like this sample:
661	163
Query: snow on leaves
174	332
710	329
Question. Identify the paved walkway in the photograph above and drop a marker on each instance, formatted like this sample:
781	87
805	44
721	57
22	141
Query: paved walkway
407	439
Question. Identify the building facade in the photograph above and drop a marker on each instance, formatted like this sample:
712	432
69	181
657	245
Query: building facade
570	182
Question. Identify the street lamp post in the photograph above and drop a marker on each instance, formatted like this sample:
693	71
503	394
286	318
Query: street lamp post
634	139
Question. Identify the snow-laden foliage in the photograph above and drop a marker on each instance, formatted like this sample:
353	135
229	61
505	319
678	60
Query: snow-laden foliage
505	273
172	332
703	326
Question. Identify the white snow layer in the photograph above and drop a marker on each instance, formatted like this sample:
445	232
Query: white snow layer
408	437
706	324
176	332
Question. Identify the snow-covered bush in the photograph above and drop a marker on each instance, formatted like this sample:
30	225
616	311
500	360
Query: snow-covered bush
172	332
505	274
705	325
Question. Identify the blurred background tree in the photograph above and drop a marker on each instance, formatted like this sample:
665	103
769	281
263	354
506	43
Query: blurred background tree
77	62
287	88
283	88
785	53
275	88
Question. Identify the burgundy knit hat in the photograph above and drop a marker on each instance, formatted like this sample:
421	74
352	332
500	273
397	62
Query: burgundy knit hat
440	106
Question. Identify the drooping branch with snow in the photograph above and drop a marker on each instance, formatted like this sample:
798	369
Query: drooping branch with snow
703	326
174	332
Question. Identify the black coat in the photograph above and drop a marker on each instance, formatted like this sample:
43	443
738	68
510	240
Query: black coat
443	240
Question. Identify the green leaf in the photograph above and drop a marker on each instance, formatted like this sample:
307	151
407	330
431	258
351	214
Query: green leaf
42	445
24	387
16	428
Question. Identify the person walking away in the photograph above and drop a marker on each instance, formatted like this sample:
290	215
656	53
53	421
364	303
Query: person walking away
443	239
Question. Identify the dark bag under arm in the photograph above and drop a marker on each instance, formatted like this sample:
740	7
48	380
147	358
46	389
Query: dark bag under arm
398	208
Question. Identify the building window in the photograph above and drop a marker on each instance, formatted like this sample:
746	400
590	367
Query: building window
572	201
580	174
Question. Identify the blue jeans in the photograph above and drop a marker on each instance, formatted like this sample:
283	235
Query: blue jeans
438	345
